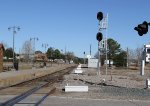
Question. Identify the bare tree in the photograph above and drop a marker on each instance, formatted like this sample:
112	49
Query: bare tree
135	55
70	56
131	55
138	53
27	50
4	44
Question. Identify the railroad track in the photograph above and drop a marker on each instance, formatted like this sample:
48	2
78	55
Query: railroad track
35	86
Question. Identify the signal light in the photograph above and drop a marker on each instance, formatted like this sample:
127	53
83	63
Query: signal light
142	28
99	36
99	16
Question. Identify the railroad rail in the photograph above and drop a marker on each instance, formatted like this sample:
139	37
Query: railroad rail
48	80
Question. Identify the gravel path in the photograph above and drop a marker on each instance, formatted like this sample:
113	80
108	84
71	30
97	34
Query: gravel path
124	87
125	93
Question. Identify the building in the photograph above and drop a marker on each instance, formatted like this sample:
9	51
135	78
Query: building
92	63
1	57
147	53
40	57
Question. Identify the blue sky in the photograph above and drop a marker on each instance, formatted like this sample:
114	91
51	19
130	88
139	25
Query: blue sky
72	23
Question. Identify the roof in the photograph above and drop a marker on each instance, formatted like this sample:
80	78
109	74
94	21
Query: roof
1	46
147	46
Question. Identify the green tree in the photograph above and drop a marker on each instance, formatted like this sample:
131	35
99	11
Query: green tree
50	53
120	59
8	53
113	48
78	60
57	54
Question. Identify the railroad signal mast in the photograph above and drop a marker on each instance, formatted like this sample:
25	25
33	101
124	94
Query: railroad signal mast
103	25
99	37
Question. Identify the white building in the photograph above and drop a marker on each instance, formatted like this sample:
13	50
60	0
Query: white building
92	63
147	53
111	62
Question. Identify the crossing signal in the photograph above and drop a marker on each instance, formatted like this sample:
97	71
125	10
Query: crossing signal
99	36
142	28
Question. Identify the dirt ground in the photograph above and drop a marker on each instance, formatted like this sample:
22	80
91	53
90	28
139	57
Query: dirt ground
26	66
119	83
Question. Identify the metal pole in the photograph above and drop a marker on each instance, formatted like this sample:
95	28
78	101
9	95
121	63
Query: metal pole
34	51
65	55
106	56
13	47
34	46
51	59
84	57
99	63
14	28
90	50
127	59
35	38
45	45
106	41
45	49
142	67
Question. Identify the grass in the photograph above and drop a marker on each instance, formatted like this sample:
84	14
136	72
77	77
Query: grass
24	67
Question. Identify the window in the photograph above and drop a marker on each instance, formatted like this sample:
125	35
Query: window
148	50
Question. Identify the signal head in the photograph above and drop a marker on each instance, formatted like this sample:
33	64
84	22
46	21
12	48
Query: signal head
99	36
99	16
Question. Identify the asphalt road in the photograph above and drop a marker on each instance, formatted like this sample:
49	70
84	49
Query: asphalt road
67	101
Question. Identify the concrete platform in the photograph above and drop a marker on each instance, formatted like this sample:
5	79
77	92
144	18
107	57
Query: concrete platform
14	77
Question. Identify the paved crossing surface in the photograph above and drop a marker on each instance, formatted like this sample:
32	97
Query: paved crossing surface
64	101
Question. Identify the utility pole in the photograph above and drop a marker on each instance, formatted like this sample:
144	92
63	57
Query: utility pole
34	39
84	57
65	54
90	50
127	58
14	29
45	45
